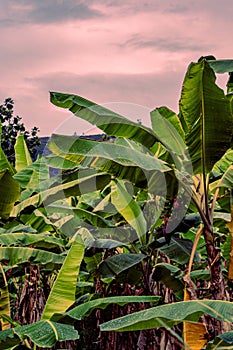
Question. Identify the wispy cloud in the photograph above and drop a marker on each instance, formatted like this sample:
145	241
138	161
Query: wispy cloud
165	43
45	12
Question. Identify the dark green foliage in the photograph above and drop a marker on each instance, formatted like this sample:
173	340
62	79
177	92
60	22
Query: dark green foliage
11	127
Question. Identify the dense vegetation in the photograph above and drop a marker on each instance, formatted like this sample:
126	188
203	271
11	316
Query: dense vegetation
130	245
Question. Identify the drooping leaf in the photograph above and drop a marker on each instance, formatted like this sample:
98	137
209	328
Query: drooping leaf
46	333
110	122
20	255
221	66
178	250
116	264
170	275
90	241
86	308
223	164
62	295
8	339
42	240
221	342
171	314
225	181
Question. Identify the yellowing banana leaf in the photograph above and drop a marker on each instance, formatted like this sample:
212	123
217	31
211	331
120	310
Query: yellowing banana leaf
195	334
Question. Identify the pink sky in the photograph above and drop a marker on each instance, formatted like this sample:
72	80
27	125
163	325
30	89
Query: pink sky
113	52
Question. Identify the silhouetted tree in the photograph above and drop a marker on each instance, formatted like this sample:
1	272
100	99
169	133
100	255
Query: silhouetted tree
11	127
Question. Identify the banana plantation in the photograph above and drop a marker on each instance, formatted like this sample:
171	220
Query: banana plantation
130	244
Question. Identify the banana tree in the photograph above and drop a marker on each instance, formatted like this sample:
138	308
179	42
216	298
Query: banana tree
179	152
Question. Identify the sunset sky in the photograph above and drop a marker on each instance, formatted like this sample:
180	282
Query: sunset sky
111	52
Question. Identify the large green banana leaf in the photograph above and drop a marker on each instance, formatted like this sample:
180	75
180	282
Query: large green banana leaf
62	295
208	117
110	122
22	154
9	193
122	161
21	255
90	240
225	181
119	263
34	174
40	240
167	127
76	187
4	164
86	308
223	164
38	220
178	250
221	66
128	208
221	342
170	275
43	334
169	315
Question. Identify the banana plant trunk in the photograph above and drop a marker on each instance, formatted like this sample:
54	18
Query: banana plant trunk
217	287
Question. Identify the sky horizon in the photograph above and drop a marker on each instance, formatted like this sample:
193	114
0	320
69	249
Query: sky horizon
114	53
